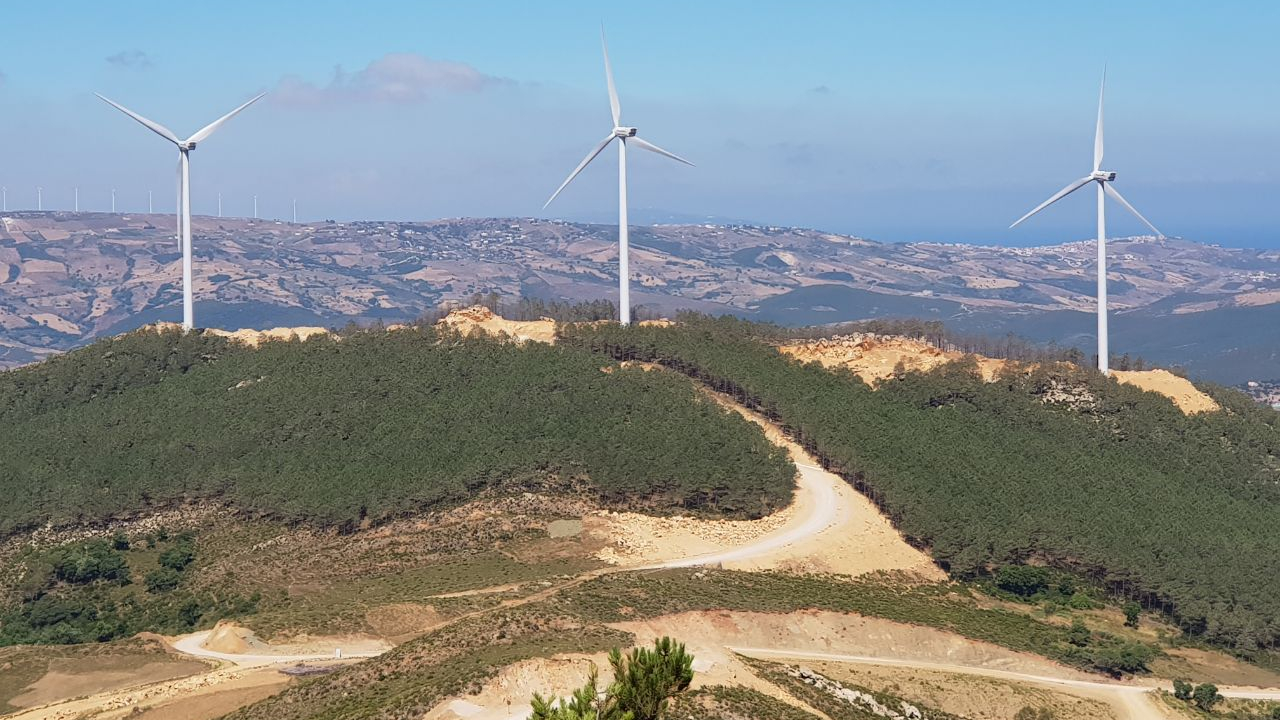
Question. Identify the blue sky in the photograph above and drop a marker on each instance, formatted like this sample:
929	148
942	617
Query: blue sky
899	121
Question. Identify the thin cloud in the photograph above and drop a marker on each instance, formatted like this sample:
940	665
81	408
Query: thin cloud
135	59
395	79
820	90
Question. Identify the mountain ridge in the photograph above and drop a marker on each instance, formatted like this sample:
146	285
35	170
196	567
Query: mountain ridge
68	278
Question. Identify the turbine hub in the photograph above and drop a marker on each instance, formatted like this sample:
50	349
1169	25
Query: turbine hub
1103	175
187	145
624	132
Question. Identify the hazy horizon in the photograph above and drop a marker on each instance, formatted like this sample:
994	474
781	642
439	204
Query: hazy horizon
932	123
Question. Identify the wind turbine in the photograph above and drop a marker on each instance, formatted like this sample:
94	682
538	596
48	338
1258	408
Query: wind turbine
622	135
77	198
39	198
184	190
1103	178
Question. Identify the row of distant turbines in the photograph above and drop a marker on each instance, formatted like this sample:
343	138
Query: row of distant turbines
626	135
4	202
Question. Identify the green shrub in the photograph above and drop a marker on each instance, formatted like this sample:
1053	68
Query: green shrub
162	580
89	562
1022	580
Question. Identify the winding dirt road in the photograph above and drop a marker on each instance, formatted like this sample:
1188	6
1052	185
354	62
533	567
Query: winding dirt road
826	518
821	508
194	645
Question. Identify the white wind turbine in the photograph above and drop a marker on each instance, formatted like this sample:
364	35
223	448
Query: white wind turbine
622	135
184	190
1104	179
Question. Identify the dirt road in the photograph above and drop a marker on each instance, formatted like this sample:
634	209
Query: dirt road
194	644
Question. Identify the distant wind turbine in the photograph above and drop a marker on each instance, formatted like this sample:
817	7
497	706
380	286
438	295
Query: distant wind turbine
622	134
113	199
219	204
4	194
77	198
1103	178
150	206
184	190
39	198
255	207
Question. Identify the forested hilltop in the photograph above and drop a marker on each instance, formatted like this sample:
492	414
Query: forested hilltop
1049	464
372	425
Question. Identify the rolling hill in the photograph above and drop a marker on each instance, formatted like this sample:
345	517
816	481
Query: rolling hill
68	278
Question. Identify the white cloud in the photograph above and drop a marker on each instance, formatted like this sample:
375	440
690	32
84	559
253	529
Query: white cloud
395	78
130	59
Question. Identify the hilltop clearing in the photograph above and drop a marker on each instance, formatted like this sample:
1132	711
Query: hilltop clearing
876	358
476	317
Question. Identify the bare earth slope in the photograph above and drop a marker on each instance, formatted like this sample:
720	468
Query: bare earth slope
876	357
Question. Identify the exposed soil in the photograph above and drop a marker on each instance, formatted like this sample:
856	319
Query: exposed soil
828	528
483	319
253	338
1178	389
877	357
978	698
69	678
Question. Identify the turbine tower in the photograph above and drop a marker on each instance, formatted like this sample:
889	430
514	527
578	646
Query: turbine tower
295	211
150	206
113	199
219	204
77	198
1103	178
622	135
184	190
255	207
39	198
4	198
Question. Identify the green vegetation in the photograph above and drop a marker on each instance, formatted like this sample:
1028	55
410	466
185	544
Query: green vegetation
1055	464
946	606
840	701
84	592
726	702
644	681
410	680
374	425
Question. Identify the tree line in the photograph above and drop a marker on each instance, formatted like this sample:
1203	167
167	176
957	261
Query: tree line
1174	512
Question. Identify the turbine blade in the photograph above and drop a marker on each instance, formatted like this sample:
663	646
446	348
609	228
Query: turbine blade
1058	196
590	156
1097	135
207	130
654	148
155	127
1114	193
608	74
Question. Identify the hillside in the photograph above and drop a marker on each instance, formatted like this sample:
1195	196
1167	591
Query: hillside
423	418
1048	464
73	277
471	521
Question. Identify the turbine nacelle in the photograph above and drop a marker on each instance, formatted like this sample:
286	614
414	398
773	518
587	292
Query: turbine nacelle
1102	176
624	132
186	146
